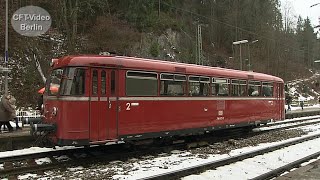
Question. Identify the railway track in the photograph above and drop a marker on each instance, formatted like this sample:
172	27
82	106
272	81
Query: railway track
278	171
292	124
288	121
14	165
218	163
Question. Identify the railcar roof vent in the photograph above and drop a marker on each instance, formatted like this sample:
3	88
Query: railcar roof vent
180	69
108	53
250	76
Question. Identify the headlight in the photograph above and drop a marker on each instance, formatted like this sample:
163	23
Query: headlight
54	111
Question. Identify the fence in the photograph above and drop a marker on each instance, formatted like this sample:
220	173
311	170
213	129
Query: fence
296	103
27	114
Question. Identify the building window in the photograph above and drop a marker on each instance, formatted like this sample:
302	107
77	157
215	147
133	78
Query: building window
172	85
220	87
254	88
199	86
141	83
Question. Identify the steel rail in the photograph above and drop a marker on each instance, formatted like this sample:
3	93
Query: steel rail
276	172
225	161
291	121
286	127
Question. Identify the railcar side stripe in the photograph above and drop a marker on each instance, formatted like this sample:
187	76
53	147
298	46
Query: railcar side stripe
68	98
94	99
189	98
74	98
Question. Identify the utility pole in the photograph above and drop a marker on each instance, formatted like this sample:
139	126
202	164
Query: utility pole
159	2
249	63
199	46
6	52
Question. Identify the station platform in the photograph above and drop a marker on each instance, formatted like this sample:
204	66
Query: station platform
16	139
25	131
308	172
298	112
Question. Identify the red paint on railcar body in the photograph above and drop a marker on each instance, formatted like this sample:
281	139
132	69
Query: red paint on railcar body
92	105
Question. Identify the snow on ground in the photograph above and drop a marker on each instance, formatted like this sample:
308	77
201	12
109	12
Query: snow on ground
235	171
31	150
253	167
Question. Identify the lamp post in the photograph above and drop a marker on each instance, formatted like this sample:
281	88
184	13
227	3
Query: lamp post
239	43
252	42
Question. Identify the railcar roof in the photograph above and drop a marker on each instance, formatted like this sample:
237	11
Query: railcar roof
159	66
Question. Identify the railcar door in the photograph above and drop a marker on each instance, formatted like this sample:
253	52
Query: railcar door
98	103
102	104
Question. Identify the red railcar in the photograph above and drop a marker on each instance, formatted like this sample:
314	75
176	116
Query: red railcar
111	98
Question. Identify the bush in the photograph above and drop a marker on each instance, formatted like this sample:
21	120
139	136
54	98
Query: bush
154	49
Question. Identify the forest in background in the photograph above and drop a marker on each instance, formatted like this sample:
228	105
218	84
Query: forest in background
163	29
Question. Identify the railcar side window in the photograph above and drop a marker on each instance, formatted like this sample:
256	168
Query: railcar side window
103	82
74	82
95	82
220	87
141	83
199	86
113	83
267	89
238	87
254	88
172	85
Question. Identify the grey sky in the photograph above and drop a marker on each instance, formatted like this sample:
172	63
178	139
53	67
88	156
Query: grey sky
302	7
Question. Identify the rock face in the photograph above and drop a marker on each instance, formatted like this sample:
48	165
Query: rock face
163	46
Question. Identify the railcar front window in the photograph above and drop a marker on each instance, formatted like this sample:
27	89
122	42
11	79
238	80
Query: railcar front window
73	83
54	82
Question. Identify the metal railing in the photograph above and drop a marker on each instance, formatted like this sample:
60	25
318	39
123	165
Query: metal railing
297	103
27	114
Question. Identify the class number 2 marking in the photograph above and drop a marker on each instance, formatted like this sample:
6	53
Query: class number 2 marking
128	106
